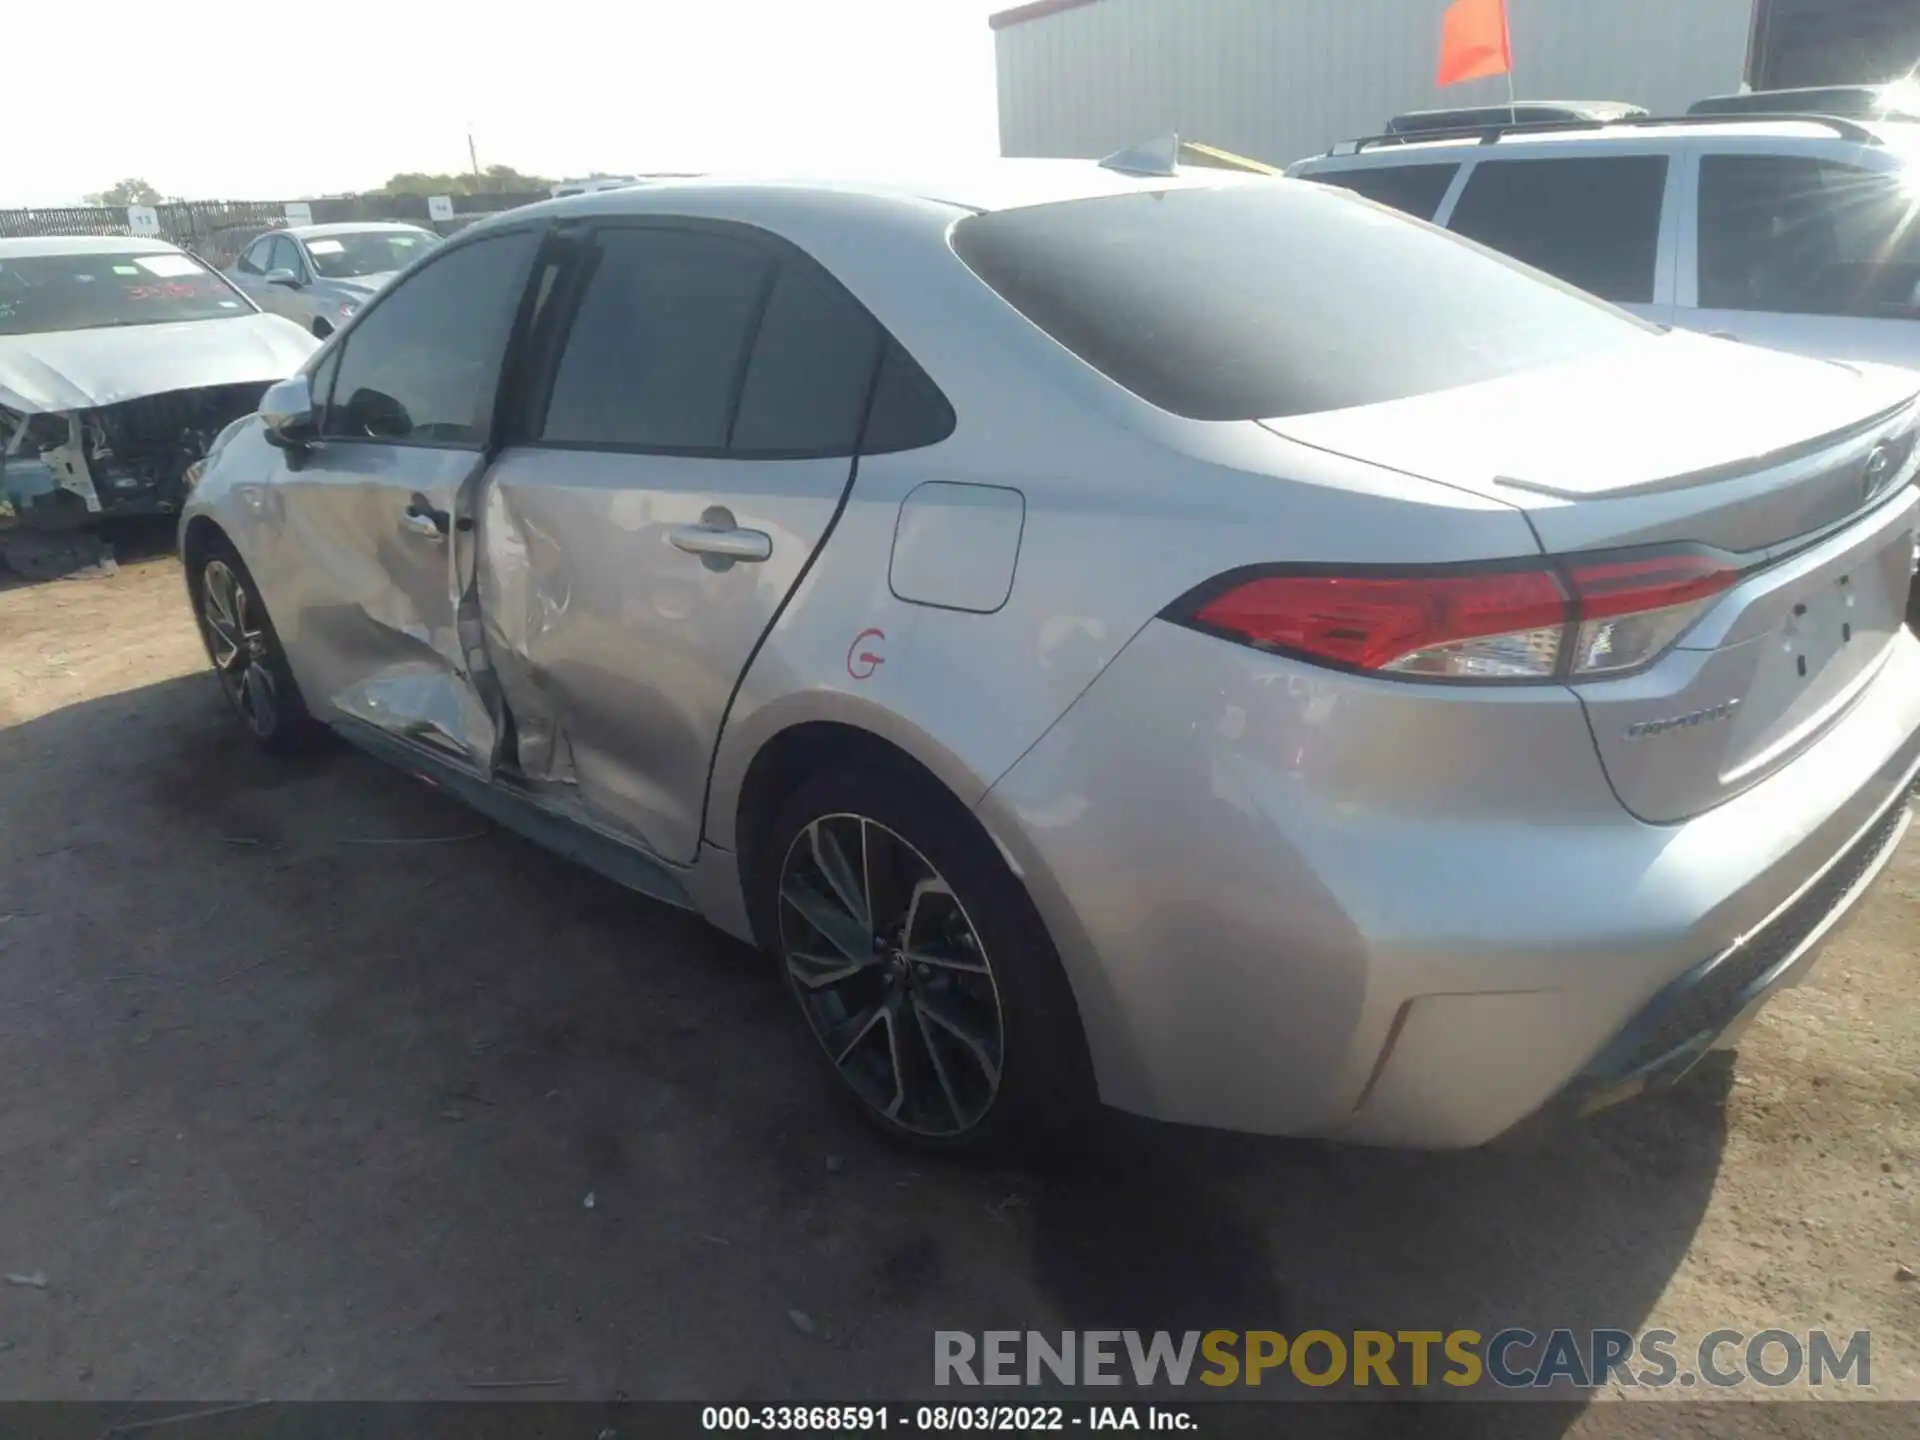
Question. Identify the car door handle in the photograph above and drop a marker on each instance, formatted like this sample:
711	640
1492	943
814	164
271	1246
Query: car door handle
423	520
725	542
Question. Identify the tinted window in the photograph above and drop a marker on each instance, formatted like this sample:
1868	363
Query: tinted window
1415	189
254	262
1807	236
320	381
812	368
908	409
423	364
1593	221
655	354
1265	300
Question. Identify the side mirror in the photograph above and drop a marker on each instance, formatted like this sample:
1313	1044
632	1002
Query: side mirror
286	410
283	277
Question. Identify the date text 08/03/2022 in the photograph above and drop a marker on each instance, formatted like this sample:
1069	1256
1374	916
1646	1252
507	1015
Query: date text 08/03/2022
1014	1419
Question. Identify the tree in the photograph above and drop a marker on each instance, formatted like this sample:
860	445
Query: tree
494	180
127	192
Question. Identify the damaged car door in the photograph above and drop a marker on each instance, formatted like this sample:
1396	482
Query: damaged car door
694	400
378	526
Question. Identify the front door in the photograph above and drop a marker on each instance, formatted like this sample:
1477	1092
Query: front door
380	511
670	483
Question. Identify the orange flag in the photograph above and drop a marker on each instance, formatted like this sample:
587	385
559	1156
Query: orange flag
1473	41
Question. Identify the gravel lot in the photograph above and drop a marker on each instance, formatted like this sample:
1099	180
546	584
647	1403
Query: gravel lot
313	1085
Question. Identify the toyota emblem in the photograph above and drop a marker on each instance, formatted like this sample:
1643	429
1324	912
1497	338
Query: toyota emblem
1879	471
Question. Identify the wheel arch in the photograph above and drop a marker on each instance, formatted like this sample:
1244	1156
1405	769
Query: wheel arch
748	795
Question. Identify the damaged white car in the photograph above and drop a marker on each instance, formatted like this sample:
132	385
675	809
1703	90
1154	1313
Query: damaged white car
120	360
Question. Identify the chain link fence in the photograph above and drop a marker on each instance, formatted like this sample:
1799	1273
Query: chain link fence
218	230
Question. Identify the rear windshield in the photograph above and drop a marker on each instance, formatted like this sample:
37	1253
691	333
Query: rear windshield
1273	299
93	291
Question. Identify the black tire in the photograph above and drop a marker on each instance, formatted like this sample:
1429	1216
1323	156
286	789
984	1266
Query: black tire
248	659
1043	1088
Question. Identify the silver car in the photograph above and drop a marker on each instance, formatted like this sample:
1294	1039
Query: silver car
319	275
1204	644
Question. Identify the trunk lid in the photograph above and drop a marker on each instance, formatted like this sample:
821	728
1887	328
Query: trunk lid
1685	439
1798	470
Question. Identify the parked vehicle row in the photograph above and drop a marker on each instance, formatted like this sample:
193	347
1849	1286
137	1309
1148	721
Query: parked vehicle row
1195	642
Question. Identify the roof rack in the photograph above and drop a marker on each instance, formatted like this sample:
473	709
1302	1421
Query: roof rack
1491	134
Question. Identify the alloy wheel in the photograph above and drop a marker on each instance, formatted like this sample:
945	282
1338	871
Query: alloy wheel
237	641
891	975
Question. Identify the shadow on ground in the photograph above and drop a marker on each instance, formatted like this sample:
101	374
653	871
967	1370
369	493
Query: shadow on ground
34	557
312	1084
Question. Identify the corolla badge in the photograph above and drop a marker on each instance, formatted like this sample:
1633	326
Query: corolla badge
1645	728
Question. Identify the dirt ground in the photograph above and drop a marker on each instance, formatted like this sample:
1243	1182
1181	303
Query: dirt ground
314	1085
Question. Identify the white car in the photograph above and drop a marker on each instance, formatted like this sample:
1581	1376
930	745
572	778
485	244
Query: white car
120	359
1799	234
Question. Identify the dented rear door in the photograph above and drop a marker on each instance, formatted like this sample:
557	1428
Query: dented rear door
378	530
686	451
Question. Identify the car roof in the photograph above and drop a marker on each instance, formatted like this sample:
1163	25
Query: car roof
1786	129
989	185
21	247
350	227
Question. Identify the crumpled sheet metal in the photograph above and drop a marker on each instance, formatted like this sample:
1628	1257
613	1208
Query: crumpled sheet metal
528	592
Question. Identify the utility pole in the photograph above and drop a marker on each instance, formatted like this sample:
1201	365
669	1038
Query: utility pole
473	156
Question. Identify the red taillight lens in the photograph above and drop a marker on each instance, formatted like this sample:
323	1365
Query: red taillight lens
1582	618
1395	622
1626	587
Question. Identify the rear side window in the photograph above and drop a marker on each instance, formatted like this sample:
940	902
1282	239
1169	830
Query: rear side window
1415	190
1797	235
691	342
654	354
1276	298
1593	221
812	367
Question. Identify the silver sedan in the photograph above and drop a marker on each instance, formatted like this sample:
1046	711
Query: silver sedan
1202	644
319	275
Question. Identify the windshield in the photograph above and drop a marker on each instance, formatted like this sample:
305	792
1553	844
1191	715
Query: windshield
367	252
1278	298
39	293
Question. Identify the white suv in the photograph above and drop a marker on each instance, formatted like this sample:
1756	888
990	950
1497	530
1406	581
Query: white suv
1798	233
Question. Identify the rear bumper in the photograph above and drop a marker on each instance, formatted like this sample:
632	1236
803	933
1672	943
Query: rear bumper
1297	902
1706	1008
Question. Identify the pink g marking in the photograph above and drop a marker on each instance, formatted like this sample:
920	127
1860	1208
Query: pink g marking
862	663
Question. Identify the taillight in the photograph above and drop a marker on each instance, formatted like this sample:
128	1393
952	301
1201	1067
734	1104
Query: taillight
1633	609
1582	617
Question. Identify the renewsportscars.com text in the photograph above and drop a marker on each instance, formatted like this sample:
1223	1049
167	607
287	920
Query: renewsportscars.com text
1513	1358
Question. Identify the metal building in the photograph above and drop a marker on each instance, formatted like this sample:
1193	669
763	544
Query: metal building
1279	79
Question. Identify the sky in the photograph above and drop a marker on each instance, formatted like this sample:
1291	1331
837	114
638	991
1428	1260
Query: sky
272	102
